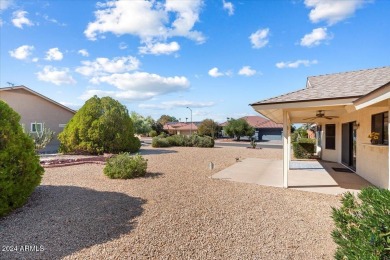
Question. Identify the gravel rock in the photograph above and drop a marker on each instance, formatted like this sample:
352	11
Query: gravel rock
176	212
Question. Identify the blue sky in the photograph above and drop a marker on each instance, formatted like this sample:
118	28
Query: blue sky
214	56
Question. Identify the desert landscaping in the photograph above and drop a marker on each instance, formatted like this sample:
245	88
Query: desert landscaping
176	212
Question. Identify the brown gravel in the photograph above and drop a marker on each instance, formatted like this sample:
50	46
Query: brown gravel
176	212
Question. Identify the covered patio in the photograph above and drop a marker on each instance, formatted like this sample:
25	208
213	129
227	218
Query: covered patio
346	107
312	175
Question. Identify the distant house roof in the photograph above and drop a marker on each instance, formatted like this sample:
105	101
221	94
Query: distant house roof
353	84
180	126
188	126
39	95
258	122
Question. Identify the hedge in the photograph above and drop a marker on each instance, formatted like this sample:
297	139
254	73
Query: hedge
304	148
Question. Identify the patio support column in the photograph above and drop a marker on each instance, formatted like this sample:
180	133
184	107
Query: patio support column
388	156
286	148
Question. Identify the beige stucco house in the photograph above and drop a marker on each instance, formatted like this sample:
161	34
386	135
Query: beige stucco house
180	128
346	107
37	111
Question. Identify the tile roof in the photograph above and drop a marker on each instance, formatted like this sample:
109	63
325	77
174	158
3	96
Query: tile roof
339	85
187	127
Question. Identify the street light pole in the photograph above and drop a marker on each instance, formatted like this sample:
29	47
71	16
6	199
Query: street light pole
191	121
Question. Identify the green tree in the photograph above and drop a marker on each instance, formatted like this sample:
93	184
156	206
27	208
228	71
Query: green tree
20	170
208	127
166	118
142	125
238	128
101	125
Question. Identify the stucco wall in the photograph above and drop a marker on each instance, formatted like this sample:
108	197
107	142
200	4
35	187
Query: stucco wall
33	108
372	161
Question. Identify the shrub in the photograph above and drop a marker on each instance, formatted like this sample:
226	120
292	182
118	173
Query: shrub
101	125
20	171
153	133
125	166
160	142
304	148
183	140
205	141
363	225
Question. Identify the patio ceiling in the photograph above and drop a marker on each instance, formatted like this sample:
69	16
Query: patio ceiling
299	111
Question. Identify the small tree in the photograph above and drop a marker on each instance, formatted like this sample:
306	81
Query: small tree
208	127
101	125
41	139
238	128
166	118
142	126
20	170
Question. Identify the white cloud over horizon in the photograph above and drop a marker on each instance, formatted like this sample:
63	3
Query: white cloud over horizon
295	64
55	75
159	48
138	85
229	7
83	52
19	19
259	39
316	37
332	11
5	4
103	66
175	104
246	71
148	20
54	54
22	52
215	73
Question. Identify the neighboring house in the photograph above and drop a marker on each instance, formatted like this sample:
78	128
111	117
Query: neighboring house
346	107
181	128
37	111
265	129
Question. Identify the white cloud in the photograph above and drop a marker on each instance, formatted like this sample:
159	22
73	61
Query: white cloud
332	11
149	20
160	48
122	46
259	39
22	53
102	66
54	54
174	104
315	37
138	85
5	4
35	59
20	19
83	52
295	64
214	72
55	76
228	6
52	20
247	71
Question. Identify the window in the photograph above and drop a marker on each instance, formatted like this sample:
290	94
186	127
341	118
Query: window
36	127
380	124
330	136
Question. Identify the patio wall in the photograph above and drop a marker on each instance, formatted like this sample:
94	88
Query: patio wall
372	161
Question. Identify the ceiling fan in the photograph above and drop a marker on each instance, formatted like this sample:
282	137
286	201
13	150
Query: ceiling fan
320	114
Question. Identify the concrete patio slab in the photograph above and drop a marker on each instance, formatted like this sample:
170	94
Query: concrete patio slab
313	176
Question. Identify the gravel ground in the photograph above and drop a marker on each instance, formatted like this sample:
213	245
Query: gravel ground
176	212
